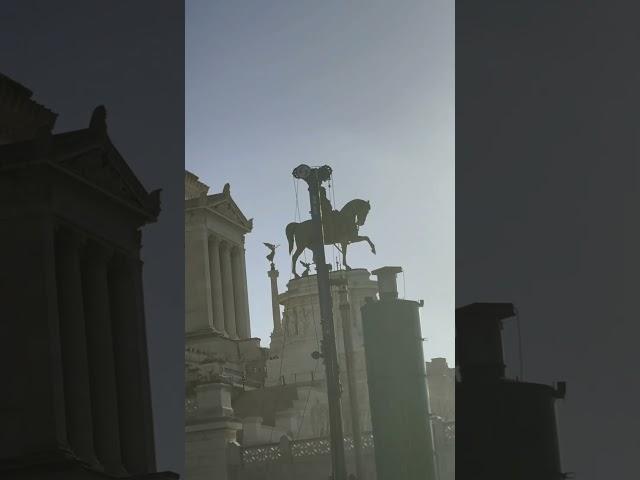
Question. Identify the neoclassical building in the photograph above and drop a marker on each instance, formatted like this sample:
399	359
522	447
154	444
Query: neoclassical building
217	299
222	360
76	399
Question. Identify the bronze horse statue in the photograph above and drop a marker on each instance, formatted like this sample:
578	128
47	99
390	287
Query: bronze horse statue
340	227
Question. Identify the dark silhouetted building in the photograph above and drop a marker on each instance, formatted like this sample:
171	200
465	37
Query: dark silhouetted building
75	400
506	429
20	116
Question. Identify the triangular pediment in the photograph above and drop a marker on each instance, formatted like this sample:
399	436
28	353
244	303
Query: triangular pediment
102	166
224	206
88	156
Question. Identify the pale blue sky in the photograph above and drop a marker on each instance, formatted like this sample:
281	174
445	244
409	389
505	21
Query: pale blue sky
364	86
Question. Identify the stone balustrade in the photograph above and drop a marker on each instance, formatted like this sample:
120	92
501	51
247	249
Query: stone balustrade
292	450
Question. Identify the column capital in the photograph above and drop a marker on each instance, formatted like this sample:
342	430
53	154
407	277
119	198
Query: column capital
213	238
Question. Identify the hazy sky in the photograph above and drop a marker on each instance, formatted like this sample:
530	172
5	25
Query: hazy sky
364	86
548	196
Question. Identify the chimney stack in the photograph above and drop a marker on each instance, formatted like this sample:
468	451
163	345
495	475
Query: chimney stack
479	354
387	282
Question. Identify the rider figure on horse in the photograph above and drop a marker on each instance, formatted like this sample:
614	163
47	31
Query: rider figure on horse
340	228
328	214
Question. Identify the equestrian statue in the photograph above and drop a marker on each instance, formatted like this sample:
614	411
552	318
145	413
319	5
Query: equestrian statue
340	229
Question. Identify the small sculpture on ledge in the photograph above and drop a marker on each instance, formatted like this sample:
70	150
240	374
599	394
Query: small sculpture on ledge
306	266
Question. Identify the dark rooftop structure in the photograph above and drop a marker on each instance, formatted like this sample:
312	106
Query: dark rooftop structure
506	429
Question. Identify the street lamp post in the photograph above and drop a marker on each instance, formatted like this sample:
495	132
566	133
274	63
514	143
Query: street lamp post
314	178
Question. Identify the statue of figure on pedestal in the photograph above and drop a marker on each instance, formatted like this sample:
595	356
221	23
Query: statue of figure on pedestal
340	228
272	252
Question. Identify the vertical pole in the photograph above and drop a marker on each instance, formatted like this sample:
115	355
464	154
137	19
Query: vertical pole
345	313
329	352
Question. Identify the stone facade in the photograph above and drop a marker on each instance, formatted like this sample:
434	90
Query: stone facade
291	362
441	382
215	273
255	413
221	358
292	407
285	424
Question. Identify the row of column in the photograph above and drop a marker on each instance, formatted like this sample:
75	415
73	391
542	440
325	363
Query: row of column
229	296
104	356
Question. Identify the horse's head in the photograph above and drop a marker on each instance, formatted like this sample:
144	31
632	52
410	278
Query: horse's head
362	212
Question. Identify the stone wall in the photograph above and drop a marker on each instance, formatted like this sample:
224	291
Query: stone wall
291	347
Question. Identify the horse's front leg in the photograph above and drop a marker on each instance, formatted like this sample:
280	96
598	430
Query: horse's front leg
364	238
344	256
294	260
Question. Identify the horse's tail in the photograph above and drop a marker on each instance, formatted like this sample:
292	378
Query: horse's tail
291	232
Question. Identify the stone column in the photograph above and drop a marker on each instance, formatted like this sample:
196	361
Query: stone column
245	293
239	287
216	284
227	290
199	310
130	350
275	306
101	358
144	384
73	339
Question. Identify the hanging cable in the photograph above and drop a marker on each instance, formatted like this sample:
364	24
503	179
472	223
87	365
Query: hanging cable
296	213
336	250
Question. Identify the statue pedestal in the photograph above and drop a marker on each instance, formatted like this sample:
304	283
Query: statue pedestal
291	361
208	439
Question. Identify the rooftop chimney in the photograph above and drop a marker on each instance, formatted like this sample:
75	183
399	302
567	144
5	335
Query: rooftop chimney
479	353
387	284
